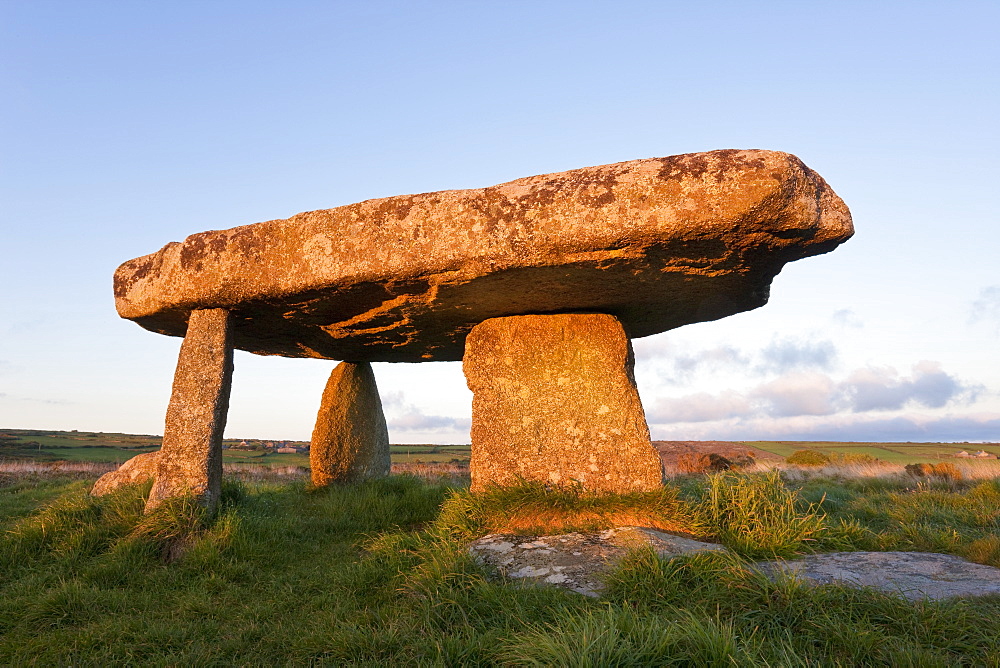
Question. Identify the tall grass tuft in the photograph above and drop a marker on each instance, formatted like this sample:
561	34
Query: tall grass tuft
532	508
625	637
757	515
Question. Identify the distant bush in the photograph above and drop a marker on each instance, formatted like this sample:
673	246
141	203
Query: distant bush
919	470
944	470
708	463
807	458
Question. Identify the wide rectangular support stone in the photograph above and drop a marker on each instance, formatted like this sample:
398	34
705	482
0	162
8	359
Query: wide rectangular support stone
555	401
190	461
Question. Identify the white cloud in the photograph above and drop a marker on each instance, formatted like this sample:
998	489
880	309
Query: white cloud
798	394
652	347
881	388
702	407
846	317
416	421
720	356
783	355
405	418
392	400
811	393
986	307
779	356
34	400
842	427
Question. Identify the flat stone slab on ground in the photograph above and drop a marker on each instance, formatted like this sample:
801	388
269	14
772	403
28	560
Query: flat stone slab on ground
915	575
575	561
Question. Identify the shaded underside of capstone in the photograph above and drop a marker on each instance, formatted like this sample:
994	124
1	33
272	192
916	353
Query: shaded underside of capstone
657	243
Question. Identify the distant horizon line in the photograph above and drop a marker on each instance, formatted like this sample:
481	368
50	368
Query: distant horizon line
299	440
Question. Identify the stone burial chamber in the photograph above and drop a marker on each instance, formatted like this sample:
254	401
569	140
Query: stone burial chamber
538	285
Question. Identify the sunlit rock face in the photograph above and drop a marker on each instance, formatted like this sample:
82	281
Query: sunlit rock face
657	243
554	401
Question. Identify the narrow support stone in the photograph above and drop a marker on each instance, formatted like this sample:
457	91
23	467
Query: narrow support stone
555	401
350	441
190	460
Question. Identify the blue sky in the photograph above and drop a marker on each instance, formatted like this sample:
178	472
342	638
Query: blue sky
126	125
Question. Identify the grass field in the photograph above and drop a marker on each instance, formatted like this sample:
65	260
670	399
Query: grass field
895	453
74	446
112	447
378	574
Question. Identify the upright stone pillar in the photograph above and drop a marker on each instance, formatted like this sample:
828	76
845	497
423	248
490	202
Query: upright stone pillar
555	401
350	441
190	461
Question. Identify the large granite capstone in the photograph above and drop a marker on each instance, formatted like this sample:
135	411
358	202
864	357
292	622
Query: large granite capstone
657	243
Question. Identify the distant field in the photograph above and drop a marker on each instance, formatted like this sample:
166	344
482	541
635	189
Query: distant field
895	453
428	453
73	446
114	447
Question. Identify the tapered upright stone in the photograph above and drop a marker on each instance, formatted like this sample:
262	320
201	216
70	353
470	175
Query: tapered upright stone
190	460
555	401
350	441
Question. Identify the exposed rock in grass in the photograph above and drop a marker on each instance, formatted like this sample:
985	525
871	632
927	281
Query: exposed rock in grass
575	561
914	575
135	471
578	562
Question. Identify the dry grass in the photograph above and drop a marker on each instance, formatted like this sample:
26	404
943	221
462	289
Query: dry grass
27	466
437	472
683	469
548	521
534	509
968	469
433	471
